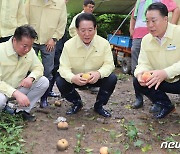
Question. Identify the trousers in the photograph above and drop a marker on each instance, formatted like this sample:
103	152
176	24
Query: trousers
106	85
33	93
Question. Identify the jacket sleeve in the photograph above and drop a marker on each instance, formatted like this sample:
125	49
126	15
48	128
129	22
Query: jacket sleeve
108	65
173	70
65	68
21	15
143	61
27	5
59	32
37	68
72	27
5	88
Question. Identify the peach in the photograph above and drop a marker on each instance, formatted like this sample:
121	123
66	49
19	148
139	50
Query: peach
146	76
103	150
63	125
62	144
57	103
86	76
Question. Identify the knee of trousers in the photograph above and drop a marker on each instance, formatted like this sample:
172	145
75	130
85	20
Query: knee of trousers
109	83
43	83
63	85
3	101
136	84
111	79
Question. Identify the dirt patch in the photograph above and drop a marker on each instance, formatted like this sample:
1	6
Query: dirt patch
88	131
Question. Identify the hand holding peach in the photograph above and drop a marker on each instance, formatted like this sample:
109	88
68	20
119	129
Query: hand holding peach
86	76
146	76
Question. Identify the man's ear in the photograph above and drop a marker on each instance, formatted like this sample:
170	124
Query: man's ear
166	18
84	7
13	39
95	27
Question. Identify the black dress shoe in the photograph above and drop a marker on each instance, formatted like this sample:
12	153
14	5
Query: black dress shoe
137	104
53	94
74	109
27	116
44	103
165	111
155	108
102	112
9	110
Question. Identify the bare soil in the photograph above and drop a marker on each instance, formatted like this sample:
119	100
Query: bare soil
41	136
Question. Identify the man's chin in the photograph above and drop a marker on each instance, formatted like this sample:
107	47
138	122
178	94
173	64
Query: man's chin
87	42
153	34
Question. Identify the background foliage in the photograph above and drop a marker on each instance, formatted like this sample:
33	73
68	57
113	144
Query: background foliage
107	23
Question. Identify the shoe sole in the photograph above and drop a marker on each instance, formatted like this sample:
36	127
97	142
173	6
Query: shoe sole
102	115
168	113
74	113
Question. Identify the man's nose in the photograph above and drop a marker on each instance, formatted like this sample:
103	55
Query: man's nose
150	24
86	32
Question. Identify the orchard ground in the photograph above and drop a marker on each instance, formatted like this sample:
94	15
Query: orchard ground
127	131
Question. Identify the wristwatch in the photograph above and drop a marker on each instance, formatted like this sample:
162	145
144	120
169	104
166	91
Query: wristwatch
54	39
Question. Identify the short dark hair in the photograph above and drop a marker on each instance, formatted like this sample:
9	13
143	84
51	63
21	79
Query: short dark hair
25	31
86	2
159	7
85	16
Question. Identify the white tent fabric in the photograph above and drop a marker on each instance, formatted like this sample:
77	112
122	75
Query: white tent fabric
103	6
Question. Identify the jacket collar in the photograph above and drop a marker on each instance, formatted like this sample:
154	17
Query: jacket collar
51	1
168	33
10	49
81	44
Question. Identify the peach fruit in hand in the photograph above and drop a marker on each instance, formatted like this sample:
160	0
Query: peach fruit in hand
146	76
86	76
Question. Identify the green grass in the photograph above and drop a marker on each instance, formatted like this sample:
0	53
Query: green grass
11	127
122	76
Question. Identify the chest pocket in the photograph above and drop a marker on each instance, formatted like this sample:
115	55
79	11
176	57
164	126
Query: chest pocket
77	61
97	58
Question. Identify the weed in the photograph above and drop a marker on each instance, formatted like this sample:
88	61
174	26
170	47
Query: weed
123	77
11	140
88	150
169	139
146	148
138	143
132	131
113	135
78	145
126	146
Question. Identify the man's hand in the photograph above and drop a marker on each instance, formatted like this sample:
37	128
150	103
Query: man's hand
157	77
27	82
21	98
78	80
140	80
50	45
95	76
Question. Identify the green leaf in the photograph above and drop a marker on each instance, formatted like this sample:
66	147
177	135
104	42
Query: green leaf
88	150
146	148
117	151
138	143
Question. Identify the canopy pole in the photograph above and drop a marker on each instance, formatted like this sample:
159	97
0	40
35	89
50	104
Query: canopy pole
121	25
